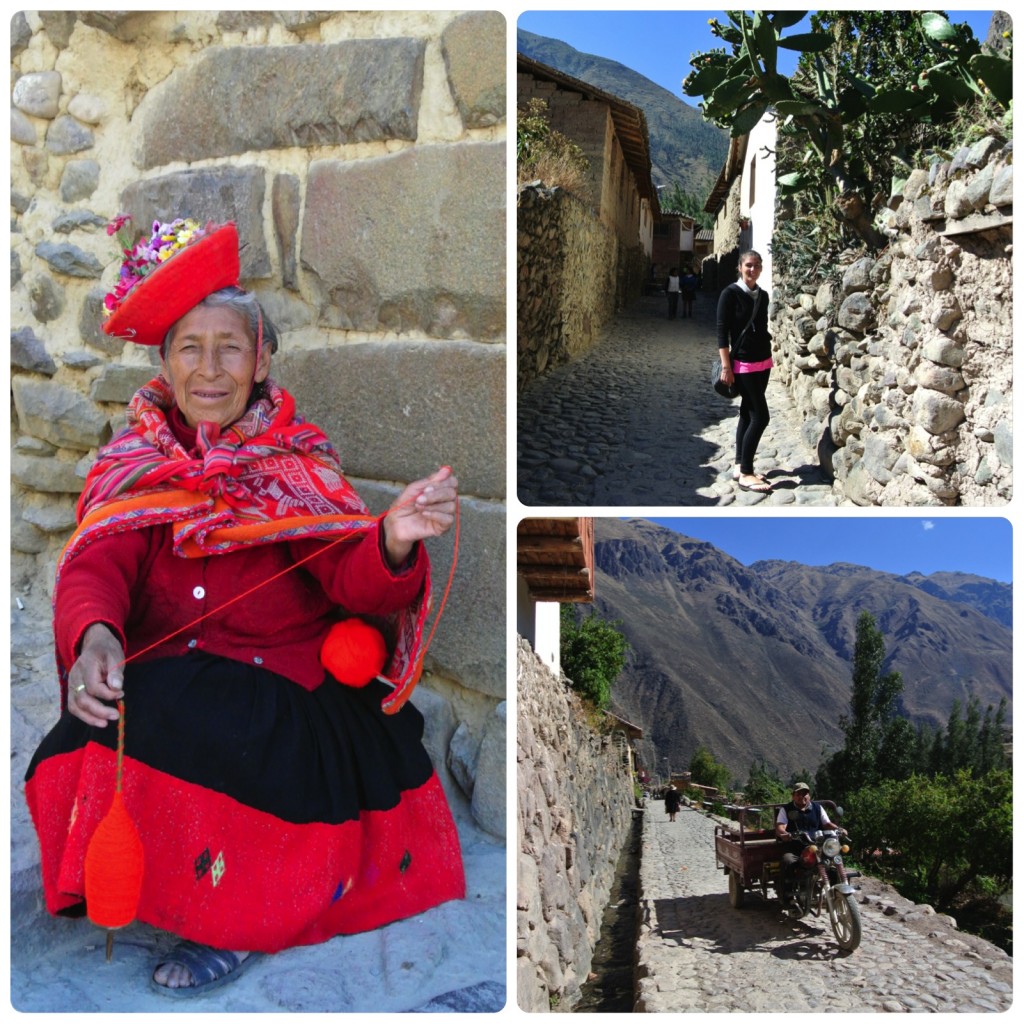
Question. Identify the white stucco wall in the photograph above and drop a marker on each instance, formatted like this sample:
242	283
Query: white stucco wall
548	633
759	170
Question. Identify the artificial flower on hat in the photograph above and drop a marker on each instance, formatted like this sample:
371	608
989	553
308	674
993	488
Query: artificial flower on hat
166	275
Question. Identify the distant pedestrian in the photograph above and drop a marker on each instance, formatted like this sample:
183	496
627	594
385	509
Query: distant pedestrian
688	290
672	802
672	291
745	347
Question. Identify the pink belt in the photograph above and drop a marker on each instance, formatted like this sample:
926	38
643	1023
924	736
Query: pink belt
741	367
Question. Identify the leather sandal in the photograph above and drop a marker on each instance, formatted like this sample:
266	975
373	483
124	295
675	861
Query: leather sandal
210	968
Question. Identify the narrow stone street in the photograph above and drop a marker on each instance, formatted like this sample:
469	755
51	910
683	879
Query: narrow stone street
696	953
635	422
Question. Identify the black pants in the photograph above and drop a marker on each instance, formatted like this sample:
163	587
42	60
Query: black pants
754	417
673	304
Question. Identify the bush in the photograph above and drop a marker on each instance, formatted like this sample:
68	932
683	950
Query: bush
593	653
938	839
546	154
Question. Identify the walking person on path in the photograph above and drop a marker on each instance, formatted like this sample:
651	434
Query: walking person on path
744	345
688	289
672	802
672	290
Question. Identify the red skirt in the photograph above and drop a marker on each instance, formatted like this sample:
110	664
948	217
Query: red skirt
270	816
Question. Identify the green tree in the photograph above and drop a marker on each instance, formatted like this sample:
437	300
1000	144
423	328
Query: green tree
872	724
706	770
992	739
593	653
938	837
764	785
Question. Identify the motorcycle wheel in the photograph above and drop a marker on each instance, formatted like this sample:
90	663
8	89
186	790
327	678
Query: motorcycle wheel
844	916
736	893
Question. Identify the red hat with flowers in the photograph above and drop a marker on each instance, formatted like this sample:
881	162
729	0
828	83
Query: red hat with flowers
165	276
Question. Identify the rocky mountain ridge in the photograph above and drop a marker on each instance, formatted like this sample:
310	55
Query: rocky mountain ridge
754	661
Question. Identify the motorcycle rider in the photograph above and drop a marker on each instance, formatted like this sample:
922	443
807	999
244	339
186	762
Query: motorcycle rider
801	814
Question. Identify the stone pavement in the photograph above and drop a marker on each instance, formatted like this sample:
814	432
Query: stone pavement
451	958
695	953
635	422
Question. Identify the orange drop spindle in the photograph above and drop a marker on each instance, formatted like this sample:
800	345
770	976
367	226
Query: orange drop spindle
113	869
114	860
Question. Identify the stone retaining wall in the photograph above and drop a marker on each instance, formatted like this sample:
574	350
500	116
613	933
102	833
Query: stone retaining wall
570	275
362	156
903	368
575	799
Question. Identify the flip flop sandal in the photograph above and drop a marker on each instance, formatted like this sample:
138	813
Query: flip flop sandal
210	968
761	487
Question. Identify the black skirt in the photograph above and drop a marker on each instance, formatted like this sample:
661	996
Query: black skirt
270	815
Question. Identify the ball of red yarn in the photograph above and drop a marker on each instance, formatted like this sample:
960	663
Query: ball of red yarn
113	869
353	652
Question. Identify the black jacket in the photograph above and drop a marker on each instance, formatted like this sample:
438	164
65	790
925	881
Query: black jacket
734	308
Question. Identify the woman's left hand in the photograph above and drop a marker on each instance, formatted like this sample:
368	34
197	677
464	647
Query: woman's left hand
426	508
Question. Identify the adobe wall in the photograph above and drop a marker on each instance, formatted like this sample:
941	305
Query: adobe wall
903	369
570	272
575	799
362	155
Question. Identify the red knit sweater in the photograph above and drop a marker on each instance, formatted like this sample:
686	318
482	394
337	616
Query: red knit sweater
135	584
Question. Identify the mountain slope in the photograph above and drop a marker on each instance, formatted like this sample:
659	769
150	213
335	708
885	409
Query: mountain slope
754	662
684	147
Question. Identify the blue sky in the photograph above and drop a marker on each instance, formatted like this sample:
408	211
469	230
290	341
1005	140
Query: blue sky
970	544
658	44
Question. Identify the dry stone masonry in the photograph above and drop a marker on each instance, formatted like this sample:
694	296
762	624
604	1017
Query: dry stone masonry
362	155
575	798
566	273
902	368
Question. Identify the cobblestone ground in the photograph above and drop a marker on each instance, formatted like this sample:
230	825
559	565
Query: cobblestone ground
698	954
635	422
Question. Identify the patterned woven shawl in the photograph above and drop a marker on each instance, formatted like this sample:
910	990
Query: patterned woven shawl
268	477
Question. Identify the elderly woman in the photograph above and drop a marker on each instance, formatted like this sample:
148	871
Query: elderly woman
218	543
745	349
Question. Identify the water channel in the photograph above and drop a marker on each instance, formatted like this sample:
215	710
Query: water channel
610	987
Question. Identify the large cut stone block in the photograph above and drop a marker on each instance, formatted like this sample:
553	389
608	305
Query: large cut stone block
398	410
410	242
474	48
469	645
219	194
243	99
57	414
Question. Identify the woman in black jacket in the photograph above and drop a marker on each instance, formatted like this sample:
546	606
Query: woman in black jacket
745	347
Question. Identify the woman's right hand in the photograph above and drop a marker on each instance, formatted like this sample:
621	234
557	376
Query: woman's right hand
96	676
727	375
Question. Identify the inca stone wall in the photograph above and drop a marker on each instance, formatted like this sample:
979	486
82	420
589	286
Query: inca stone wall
569	277
903	369
362	155
575	799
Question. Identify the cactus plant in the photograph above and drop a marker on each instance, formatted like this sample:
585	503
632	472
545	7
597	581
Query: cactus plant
838	100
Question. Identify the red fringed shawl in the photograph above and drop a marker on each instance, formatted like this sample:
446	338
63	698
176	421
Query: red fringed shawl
268	477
